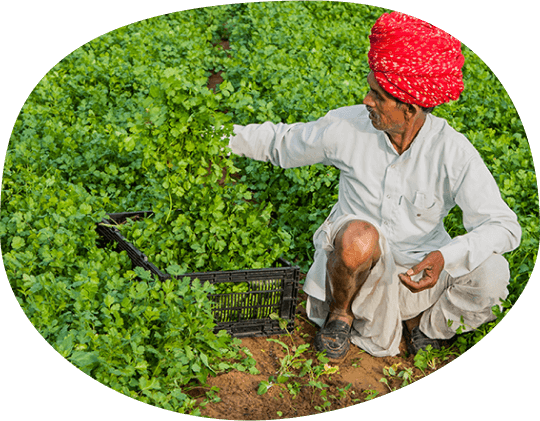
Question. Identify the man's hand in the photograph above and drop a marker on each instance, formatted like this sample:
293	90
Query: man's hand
432	266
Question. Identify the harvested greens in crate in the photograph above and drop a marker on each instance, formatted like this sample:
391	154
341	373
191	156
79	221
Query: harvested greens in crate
243	300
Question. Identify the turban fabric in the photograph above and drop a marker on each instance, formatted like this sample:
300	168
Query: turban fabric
415	61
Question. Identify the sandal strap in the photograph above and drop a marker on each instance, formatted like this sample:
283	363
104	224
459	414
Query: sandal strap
419	340
337	327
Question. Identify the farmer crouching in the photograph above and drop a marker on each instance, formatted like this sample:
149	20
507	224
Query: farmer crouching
383	257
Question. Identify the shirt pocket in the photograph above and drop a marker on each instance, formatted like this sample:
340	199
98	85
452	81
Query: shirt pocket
420	215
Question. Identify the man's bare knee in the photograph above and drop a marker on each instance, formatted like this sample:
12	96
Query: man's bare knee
357	245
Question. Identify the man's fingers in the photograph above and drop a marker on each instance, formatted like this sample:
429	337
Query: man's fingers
431	265
423	283
419	268
413	286
408	282
405	278
433	259
412	271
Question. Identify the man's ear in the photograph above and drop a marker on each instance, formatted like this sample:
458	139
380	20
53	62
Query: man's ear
413	111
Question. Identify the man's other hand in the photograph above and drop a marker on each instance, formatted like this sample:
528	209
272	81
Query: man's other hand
432	266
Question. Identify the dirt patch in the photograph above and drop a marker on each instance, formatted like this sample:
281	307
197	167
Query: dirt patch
215	76
214	80
357	379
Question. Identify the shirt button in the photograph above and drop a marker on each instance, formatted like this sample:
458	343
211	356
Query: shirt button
388	196
385	222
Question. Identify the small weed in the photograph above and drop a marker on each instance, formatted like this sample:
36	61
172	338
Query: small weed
405	376
296	372
432	358
356	362
370	394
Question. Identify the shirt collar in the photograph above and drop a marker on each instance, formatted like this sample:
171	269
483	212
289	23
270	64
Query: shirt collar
417	142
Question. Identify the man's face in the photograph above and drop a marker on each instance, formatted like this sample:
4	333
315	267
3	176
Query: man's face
384	112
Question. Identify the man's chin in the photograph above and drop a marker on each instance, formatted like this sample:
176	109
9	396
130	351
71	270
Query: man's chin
375	125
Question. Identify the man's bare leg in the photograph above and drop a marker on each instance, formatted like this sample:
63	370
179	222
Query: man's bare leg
356	251
412	323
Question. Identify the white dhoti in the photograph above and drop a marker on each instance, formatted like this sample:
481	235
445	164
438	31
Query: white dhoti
384	302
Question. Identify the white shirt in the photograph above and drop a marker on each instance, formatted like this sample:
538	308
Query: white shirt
406	195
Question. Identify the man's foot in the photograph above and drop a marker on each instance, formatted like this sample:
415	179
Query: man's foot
416	341
333	338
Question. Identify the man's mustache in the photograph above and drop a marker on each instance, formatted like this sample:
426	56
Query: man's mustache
370	110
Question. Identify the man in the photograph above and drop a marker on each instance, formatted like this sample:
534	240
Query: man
383	256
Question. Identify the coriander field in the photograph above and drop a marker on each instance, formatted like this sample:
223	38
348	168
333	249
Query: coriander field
129	122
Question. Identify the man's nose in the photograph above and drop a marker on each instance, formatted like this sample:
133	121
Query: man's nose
368	100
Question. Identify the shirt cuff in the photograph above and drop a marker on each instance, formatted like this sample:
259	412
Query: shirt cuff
454	259
233	140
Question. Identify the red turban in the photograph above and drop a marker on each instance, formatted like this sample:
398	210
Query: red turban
415	61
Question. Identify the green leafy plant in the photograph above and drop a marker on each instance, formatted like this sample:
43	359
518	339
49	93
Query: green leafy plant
370	394
432	358
126	122
297	372
391	374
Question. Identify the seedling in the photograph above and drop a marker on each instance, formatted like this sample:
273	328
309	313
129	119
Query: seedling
406	376
294	368
432	358
370	394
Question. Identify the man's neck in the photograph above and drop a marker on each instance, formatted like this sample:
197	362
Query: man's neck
403	140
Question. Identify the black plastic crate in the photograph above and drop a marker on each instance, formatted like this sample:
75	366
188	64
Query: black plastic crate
270	290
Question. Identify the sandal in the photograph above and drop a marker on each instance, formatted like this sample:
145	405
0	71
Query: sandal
417	341
333	338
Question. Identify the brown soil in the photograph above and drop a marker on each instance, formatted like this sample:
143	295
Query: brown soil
238	398
215	77
358	376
